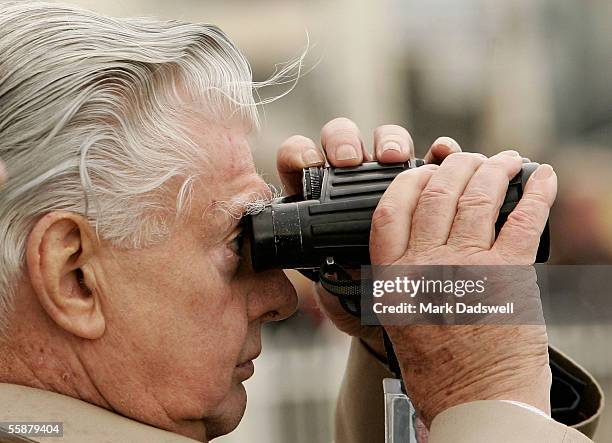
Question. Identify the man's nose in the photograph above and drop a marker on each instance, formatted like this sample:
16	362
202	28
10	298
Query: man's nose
273	297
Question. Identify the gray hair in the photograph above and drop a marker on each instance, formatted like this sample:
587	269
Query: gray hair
93	119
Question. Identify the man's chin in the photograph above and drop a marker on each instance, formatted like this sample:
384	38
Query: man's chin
229	415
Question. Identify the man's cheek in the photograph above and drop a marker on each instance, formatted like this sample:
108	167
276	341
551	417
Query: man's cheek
211	366
227	323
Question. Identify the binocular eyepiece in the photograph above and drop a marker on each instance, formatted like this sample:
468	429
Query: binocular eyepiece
331	221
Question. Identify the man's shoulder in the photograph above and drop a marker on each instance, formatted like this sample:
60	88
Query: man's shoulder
82	421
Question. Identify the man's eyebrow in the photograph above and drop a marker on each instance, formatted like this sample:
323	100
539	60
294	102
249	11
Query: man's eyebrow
236	208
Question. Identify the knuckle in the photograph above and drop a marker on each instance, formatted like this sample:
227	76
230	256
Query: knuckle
404	179
476	199
462	158
500	164
424	174
416	176
500	160
384	215
436	192
406	175
427	169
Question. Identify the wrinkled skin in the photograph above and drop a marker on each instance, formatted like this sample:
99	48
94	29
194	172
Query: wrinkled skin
165	334
445	215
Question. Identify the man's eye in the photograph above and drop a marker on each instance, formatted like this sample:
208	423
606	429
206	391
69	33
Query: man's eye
236	243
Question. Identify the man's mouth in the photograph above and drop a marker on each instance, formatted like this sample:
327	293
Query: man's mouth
246	369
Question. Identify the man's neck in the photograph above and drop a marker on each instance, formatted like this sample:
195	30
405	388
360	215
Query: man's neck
40	363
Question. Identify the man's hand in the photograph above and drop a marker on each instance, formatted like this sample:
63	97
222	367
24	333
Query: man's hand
445	215
343	146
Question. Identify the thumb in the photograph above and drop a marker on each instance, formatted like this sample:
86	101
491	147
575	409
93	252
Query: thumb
520	235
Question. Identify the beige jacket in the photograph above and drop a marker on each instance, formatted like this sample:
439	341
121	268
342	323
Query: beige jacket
359	415
476	422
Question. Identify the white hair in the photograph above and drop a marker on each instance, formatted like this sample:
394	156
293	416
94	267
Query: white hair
93	119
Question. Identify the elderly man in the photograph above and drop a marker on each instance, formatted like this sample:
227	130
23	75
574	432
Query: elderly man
128	309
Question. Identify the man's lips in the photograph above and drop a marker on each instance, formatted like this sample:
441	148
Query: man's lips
246	364
249	359
246	369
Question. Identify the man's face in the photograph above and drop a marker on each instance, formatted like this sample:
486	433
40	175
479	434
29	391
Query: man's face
183	318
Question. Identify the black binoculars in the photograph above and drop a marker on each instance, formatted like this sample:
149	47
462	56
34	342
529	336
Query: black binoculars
330	222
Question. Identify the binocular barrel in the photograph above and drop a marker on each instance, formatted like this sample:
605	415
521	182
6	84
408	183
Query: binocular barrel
332	220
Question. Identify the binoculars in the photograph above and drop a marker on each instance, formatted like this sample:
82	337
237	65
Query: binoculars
330	222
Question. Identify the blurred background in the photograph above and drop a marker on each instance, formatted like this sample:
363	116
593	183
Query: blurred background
531	75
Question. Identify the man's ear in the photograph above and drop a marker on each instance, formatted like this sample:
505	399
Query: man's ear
60	251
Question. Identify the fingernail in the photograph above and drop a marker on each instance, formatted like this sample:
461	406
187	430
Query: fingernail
312	157
346	152
543	172
510	153
392	146
448	142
